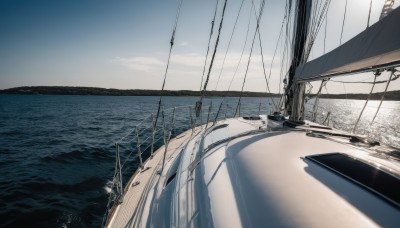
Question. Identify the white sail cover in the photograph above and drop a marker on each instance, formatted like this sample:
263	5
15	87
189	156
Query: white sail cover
376	47
387	8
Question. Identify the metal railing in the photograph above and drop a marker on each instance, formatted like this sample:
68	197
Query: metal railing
145	138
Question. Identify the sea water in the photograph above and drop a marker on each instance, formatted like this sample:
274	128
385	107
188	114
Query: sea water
57	153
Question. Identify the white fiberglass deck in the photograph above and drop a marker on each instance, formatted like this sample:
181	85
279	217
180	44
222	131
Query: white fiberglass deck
265	180
123	213
236	176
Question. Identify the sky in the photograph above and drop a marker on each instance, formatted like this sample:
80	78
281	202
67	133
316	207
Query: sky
125	44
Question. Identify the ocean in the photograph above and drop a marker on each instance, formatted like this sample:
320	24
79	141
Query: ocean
57	153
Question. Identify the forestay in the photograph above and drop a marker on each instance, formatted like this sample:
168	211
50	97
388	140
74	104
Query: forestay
376	47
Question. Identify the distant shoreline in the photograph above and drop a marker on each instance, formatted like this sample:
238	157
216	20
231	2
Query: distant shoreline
95	91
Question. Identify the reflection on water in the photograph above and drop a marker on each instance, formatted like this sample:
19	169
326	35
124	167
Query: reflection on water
344	114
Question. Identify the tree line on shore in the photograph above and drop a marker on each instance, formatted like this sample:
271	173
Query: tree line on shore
67	90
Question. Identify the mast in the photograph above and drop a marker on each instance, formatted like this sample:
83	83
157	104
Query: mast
294	94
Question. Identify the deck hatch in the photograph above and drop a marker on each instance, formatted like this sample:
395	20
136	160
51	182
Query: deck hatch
364	174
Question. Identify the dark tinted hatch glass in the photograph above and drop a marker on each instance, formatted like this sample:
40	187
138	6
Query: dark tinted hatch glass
368	176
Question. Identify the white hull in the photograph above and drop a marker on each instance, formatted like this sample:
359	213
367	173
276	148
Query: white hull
239	173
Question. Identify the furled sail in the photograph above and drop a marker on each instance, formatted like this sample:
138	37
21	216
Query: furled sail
375	48
387	8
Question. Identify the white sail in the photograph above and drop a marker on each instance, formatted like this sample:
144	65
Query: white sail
377	47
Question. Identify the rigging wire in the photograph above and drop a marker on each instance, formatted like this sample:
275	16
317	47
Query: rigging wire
316	103
314	19
169	57
383	95
199	103
321	14
369	13
251	52
262	57
326	25
377	73
308	92
286	56
345	92
208	46
277	43
226	53
286	51
215	50
344	18
265	75
229	44
241	56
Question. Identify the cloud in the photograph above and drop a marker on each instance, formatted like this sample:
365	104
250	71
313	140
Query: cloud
146	64
195	61
189	66
188	60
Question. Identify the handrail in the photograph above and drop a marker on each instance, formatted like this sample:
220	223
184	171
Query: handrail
144	138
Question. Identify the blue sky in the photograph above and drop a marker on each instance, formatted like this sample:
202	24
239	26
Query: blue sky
124	44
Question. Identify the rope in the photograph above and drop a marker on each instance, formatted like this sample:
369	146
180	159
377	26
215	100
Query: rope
308	92
326	25
383	95
215	50
344	18
276	48
208	46
265	75
366	102
169	57
262	58
369	13
314	114
251	52
277	43
286	55
199	102
327	119
345	91
229	44
241	56
321	14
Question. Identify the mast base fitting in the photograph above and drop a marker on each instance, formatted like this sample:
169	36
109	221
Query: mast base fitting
293	124
276	116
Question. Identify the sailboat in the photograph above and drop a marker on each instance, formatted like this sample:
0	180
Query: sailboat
276	170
